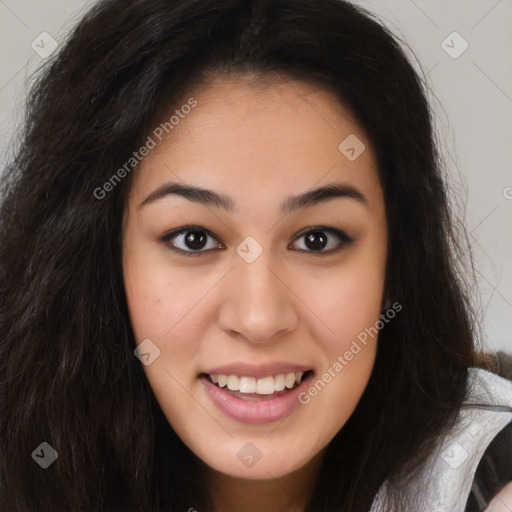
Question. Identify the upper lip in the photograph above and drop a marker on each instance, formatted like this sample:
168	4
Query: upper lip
257	370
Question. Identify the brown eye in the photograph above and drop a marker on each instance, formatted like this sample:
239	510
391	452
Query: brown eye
191	241
195	239
318	238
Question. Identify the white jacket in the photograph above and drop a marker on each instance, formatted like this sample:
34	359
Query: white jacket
445	482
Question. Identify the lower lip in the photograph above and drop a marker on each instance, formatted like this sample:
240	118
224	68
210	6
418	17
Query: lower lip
244	411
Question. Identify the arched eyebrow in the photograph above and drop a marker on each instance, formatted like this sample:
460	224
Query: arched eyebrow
290	204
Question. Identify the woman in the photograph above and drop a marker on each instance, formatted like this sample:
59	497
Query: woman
229	275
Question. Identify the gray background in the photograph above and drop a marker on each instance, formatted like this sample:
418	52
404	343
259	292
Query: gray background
471	96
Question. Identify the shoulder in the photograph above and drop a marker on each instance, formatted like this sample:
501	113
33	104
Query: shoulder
494	472
472	461
492	482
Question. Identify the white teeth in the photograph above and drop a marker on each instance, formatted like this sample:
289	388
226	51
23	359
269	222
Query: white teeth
247	384
290	380
279	382
233	383
262	386
265	386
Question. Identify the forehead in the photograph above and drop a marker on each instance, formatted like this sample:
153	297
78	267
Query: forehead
261	140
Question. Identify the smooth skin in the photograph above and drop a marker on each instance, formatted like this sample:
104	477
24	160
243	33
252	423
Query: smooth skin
297	303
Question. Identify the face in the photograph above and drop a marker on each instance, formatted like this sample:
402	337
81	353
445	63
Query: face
249	287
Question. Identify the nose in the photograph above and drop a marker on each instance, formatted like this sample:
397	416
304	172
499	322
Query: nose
258	304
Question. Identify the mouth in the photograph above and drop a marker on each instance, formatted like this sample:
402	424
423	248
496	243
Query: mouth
261	398
255	389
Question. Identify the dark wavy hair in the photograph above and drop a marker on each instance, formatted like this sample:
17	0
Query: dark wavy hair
68	374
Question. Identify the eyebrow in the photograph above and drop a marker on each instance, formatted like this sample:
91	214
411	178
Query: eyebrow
290	204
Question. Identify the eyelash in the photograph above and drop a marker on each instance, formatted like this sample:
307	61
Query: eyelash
343	238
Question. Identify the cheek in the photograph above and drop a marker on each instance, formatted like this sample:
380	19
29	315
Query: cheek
348	305
346	302
159	298
166	308
350	309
